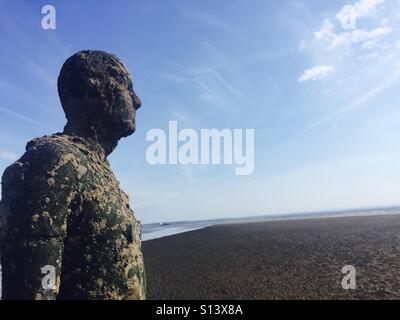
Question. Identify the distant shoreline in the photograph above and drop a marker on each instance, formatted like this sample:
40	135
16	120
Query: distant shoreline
153	231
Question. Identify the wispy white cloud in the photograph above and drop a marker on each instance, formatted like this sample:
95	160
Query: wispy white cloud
40	72
360	9
345	31
205	19
27	119
214	85
316	73
7	155
263	55
181	117
359	102
357	54
327	33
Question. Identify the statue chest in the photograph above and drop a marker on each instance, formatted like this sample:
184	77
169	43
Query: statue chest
104	212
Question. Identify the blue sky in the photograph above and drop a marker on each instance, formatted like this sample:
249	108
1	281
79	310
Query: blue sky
323	99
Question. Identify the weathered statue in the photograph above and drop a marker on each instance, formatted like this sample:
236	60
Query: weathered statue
62	208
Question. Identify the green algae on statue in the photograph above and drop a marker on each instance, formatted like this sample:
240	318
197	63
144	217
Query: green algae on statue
61	203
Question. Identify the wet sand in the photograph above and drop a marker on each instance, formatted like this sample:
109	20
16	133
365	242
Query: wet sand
293	259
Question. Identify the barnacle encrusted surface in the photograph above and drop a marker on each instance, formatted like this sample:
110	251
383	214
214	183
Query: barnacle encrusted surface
68	208
61	203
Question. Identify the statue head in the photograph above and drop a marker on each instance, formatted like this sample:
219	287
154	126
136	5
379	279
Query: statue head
97	96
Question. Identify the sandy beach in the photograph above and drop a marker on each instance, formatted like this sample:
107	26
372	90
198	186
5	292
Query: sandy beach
294	259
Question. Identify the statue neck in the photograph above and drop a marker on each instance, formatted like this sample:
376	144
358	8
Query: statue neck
93	138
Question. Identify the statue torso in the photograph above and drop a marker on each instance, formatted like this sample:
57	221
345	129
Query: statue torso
101	257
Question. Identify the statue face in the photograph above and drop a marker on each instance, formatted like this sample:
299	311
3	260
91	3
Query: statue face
124	108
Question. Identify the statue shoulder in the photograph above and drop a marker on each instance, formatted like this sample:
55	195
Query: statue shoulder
46	158
52	149
38	189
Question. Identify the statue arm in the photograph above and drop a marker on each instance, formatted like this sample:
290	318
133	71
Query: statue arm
37	195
